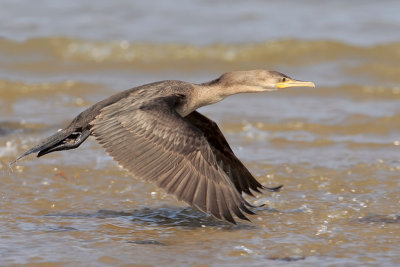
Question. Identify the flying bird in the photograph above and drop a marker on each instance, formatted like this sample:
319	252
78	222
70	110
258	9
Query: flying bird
155	132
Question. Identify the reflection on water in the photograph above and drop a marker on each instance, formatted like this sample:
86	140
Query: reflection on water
376	218
169	217
335	148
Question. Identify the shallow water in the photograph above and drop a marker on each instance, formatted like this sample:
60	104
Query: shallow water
335	148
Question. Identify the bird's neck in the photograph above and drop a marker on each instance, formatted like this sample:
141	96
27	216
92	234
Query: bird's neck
200	96
213	92
208	94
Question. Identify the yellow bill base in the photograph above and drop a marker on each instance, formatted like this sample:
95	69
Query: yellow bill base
294	83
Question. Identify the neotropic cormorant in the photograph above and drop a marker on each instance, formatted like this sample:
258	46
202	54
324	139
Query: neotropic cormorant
155	132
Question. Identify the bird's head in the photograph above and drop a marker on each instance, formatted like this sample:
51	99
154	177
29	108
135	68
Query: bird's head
259	81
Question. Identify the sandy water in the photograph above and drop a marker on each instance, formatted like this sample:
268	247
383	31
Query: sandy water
335	148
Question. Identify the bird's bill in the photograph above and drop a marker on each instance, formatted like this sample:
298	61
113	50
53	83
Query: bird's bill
293	83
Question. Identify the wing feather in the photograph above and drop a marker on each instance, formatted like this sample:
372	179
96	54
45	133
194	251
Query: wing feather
236	171
155	143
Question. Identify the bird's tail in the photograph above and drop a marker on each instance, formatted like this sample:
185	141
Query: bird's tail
62	140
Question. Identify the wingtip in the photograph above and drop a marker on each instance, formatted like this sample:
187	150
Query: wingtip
246	219
246	210
273	189
232	221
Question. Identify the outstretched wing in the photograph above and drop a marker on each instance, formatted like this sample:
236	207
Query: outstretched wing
235	169
155	143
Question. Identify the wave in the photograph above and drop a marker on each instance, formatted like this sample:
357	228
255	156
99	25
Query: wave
292	51
358	125
12	91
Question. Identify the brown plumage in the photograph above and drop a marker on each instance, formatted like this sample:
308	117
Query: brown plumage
155	132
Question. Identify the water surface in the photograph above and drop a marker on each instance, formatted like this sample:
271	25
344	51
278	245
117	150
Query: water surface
335	148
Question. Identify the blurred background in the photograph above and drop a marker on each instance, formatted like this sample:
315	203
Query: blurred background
336	148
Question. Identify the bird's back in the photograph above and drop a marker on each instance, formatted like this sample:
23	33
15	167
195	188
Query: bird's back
140	94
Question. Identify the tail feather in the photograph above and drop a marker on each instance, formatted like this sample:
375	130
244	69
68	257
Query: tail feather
62	140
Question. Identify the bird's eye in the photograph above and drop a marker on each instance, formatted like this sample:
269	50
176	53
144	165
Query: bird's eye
283	79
